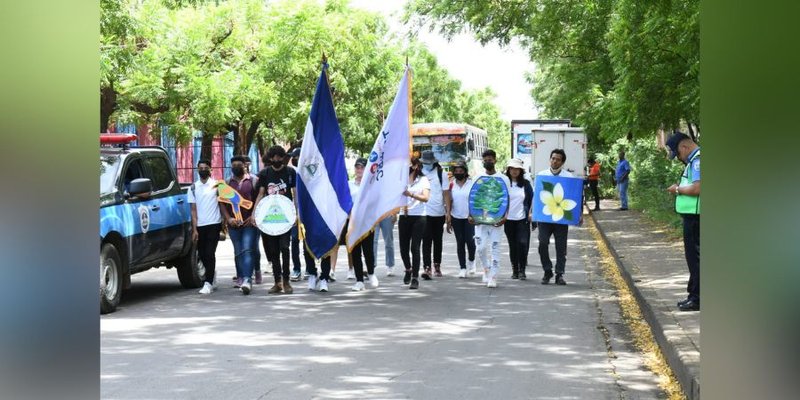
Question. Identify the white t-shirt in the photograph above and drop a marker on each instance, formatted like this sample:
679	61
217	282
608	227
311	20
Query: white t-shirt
206	202
416	207
516	208
355	189
435	205
460	206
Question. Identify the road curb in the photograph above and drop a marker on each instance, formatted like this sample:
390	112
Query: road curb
659	317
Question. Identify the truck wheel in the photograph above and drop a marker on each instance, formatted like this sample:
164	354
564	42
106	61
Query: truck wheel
110	278
191	271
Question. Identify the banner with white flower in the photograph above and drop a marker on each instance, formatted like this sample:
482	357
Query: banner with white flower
557	199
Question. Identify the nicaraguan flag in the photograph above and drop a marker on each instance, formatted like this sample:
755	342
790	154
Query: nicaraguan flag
386	174
323	196
557	199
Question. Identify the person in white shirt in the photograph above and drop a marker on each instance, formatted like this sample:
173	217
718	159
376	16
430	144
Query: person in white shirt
457	218
435	211
558	231
517	227
411	224
366	245
487	237
206	221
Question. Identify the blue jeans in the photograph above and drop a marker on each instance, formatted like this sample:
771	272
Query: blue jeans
244	239
623	193
385	226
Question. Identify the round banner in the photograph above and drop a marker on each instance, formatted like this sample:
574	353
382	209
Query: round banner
275	215
488	200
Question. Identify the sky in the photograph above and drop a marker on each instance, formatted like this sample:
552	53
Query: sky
476	66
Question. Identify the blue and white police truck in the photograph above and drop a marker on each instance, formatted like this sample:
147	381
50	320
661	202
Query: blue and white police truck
145	218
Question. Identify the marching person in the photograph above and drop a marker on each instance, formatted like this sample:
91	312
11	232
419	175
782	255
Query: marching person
365	246
385	228
435	211
594	179
297	247
411	225
687	204
457	218
558	231
487	237
517	227
206	221
244	234
277	178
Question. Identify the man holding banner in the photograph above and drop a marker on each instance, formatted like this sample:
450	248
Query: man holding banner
386	173
556	205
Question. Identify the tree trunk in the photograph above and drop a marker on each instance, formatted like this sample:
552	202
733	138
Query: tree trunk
691	131
108	103
205	147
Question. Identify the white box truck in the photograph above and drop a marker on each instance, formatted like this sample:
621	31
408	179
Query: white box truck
533	140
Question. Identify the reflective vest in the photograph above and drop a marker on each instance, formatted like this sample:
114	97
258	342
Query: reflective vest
684	203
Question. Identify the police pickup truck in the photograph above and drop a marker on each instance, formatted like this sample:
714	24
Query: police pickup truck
145	218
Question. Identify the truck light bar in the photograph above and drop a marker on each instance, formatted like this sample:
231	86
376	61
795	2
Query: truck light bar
117	138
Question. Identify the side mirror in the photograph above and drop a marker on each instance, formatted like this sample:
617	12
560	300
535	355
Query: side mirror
470	144
140	186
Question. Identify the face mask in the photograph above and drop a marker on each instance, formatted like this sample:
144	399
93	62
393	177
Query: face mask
204	174
276	164
460	177
237	171
488	165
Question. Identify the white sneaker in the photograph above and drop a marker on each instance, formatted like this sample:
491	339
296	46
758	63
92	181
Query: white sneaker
485	276
373	281
246	286
207	288
462	273
389	271
471	267
492	283
351	275
312	282
359	286
333	276
323	285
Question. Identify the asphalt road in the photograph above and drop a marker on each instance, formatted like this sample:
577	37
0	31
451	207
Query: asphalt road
451	339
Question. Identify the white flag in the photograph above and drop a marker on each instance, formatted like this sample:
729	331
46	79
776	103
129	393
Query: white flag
386	174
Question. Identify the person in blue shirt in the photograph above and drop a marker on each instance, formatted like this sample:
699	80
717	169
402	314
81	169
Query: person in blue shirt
621	176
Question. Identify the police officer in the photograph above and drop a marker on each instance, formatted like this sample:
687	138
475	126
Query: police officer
687	204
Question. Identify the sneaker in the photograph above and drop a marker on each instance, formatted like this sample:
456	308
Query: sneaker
414	284
206	289
287	288
546	277
389	271
426	274
359	286
437	271
312	282
485	276
560	279
323	285
246	286
276	288
373	281
238	283
471	267
407	277
522	276
332	276
295	276
492	283
259	278
351	274
462	273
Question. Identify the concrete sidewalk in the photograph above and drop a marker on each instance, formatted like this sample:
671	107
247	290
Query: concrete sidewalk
655	269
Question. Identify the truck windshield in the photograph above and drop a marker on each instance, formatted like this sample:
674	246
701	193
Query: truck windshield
108	174
446	148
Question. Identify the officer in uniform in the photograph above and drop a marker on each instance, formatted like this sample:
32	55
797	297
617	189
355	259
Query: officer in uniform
687	204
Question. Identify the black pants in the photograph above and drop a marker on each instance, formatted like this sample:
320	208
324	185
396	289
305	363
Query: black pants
559	231
325	266
434	229
691	246
595	193
297	247
465	237
365	246
518	234
411	229
277	250
207	240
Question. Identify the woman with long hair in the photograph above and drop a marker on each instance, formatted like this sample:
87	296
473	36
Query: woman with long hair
457	218
517	226
411	224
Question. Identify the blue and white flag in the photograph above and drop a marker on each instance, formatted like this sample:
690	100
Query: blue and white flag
323	195
386	173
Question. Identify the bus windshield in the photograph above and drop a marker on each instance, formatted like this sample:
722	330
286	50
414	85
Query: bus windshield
446	148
